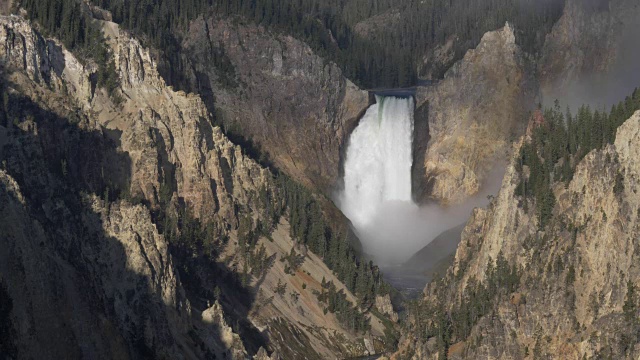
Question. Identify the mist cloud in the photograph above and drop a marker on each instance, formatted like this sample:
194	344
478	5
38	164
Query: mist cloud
602	90
399	229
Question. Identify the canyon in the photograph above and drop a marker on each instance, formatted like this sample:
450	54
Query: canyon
85	178
223	218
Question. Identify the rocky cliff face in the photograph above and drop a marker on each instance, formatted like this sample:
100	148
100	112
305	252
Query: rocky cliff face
166	137
575	293
295	107
169	138
101	285
470	117
84	177
467	121
89	277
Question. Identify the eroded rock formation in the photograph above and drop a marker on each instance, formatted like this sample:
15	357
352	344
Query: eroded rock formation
573	295
471	118
295	107
85	175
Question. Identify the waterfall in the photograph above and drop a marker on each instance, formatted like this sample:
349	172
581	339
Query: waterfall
377	186
378	160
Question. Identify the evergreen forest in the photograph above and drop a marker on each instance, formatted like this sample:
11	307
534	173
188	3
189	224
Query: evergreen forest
388	56
560	141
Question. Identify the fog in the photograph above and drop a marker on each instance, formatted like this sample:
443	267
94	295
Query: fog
377	194
399	229
602	90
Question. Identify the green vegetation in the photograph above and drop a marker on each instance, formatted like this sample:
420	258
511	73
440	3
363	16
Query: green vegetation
571	276
386	57
259	262
630	307
560	141
66	20
338	304
69	22
195	246
618	187
502	279
280	288
479	299
294	261
309	227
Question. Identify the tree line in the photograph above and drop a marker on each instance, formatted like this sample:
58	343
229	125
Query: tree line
386	57
560	142
309	226
194	243
451	325
337	303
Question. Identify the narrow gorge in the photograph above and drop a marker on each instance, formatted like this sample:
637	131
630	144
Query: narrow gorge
309	179
378	195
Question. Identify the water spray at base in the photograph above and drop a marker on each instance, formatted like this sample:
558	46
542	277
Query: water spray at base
377	193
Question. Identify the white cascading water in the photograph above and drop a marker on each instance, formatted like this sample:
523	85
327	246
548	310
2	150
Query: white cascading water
377	186
377	180
378	162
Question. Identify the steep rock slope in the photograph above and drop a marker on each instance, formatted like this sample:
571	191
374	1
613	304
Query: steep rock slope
151	154
287	305
166	135
466	121
48	281
470	117
88	277
169	136
564	291
294	106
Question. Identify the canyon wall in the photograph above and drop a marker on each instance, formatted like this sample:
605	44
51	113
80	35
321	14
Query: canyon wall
574	293
470	117
90	183
294	107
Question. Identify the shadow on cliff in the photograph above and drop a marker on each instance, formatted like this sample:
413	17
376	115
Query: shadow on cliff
56	161
206	279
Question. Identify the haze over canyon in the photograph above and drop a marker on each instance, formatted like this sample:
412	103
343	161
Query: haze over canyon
278	179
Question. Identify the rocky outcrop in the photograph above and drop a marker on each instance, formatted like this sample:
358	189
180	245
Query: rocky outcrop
301	326
88	278
169	138
167	135
575	296
147	151
383	303
43	61
466	122
296	108
214	316
101	286
470	117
